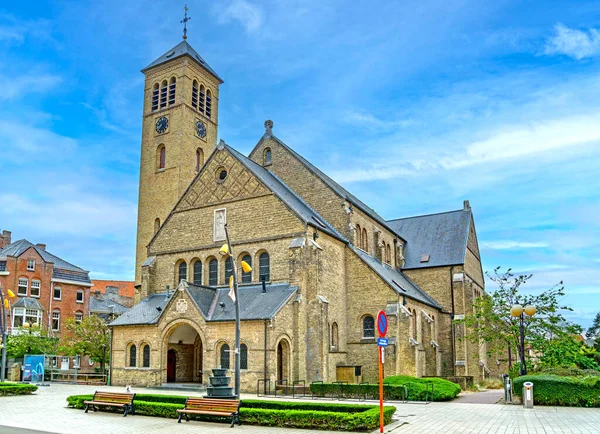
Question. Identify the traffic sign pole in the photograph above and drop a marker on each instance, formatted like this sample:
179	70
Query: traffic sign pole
382	326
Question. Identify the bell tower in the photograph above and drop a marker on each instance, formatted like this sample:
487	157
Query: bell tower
179	132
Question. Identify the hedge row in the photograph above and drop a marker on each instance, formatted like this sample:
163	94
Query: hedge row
562	391
319	415
395	388
16	389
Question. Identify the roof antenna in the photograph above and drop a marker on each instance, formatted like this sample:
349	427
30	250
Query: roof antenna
184	21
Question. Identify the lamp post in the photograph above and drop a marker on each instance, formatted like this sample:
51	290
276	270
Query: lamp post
519	312
226	251
4	321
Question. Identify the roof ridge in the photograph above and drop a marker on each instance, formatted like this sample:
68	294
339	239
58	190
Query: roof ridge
428	215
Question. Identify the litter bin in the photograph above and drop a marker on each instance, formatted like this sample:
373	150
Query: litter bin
528	394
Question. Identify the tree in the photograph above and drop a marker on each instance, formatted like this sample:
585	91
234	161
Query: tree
89	337
30	341
493	324
594	332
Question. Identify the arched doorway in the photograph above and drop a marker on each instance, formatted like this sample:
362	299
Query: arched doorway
184	355
283	360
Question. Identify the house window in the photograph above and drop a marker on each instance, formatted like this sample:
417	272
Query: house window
264	267
268	156
162	157
334	336
182	271
208	103
228	269
78	317
2	265
247	277
172	87
163	94
22	287
30	264
155	97
20	316
132	356
414	324
243	356
368	327
56	320
195	94
213	272
224	356
388	254
76	362
199	159
35	288
79	296
146	356
198	272
57	292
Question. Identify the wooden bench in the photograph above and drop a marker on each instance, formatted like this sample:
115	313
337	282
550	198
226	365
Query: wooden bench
212	406
110	399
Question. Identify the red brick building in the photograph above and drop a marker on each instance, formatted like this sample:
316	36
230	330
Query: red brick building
48	290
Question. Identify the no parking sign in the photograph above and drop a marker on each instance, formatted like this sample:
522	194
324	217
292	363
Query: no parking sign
382	324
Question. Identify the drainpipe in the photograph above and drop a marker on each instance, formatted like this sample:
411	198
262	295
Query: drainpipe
265	359
50	308
452	319
110	360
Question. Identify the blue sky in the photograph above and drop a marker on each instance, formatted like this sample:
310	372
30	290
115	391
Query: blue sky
414	106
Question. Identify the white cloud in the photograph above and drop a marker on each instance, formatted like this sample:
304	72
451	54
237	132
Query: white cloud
17	87
513	245
573	43
249	15
37	142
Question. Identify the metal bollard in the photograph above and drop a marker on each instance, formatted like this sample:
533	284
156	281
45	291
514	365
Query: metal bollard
508	393
528	394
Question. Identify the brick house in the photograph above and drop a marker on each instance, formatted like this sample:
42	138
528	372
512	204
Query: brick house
48	289
324	263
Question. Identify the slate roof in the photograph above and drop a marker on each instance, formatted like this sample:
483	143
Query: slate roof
102	304
62	268
254	304
145	312
341	191
396	279
28	303
182	49
442	236
287	195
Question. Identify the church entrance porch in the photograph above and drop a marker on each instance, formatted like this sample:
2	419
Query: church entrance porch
183	355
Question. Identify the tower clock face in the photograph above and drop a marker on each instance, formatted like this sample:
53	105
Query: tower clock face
162	124
200	129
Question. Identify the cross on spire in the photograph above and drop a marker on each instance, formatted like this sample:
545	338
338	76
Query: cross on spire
184	21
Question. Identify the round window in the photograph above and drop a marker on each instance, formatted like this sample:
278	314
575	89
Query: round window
222	174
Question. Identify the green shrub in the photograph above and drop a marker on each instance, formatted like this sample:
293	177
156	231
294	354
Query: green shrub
443	390
562	391
16	389
566	371
319	415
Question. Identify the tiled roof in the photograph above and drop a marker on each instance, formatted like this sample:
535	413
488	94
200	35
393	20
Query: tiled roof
442	236
145	312
396	279
182	49
287	195
126	288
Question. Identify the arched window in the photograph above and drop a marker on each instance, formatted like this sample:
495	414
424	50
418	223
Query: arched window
334	336
243	356
155	97
199	159
182	271
365	240
264	272
156	224
358	237
163	94
268	156
172	87
208	103
368	327
414	324
228	269
146	356
132	356
198	272
78	317
224	356
202	98
247	277
388	254
162	157
195	94
213	272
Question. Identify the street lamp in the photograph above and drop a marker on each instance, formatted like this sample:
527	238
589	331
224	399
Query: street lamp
519	312
233	294
4	319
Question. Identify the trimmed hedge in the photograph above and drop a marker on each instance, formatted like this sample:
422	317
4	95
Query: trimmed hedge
562	391
315	415
16	389
396	387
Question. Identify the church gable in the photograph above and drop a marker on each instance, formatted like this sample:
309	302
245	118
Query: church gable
209	189
181	306
472	243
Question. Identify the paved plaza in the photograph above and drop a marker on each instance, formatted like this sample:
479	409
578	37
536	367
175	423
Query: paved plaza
46	412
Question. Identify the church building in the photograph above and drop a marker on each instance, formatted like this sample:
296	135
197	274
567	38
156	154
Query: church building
323	262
